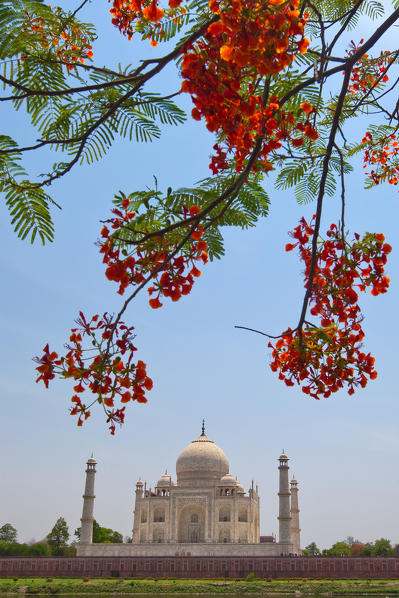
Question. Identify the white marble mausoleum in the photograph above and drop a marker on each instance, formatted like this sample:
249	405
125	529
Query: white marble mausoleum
205	512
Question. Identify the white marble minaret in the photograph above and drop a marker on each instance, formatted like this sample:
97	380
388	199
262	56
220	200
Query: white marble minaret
295	529
136	512
284	494
86	529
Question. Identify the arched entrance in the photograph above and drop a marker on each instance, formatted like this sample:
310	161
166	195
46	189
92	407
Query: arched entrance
191	524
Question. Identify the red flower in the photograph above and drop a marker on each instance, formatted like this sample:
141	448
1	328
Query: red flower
155	303
152	12
194	210
306	107
195	271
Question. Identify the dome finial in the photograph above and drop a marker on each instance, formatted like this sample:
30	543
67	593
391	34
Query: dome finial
203	428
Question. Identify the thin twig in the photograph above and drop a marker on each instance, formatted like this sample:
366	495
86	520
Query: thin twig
342	193
75	12
264	333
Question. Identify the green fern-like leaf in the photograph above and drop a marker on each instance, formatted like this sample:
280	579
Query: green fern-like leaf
27	203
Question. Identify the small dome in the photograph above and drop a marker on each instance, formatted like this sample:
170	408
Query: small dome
139	483
201	462
240	489
164	480
283	457
228	480
92	460
293	481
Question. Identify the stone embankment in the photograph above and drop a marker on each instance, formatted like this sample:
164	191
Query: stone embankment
205	567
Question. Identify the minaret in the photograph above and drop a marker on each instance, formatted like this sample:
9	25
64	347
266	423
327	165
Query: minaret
284	517
136	512
86	529
295	529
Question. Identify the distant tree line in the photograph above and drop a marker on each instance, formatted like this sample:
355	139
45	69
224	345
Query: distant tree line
56	543
352	547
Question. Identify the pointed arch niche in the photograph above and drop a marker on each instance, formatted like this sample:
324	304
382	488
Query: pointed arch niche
191	523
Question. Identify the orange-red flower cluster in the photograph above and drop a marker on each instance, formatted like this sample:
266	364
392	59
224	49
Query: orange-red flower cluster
368	73
173	279
104	367
223	70
126	14
69	40
328	355
384	156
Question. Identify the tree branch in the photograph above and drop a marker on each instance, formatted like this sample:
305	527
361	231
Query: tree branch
322	185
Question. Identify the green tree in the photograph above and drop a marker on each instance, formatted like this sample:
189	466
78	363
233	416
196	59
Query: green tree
312	549
382	547
368	549
8	533
39	549
6	548
59	535
105	535
16	549
102	535
339	549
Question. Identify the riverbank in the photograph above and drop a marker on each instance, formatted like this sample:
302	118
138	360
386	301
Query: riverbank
297	587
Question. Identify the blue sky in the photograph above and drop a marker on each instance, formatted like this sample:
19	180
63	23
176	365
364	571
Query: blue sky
343	450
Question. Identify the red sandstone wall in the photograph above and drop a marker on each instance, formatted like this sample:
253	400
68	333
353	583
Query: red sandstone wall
205	567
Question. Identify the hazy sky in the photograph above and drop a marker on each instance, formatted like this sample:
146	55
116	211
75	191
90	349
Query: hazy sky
343	451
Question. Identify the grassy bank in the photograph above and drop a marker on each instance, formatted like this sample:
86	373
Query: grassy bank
42	585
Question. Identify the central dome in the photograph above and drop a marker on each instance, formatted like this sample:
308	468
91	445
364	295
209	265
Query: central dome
201	461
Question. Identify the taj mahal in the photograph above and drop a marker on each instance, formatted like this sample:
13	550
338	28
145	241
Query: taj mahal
206	512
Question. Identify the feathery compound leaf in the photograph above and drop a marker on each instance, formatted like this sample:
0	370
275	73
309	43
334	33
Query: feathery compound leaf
291	174
29	209
373	9
27	203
